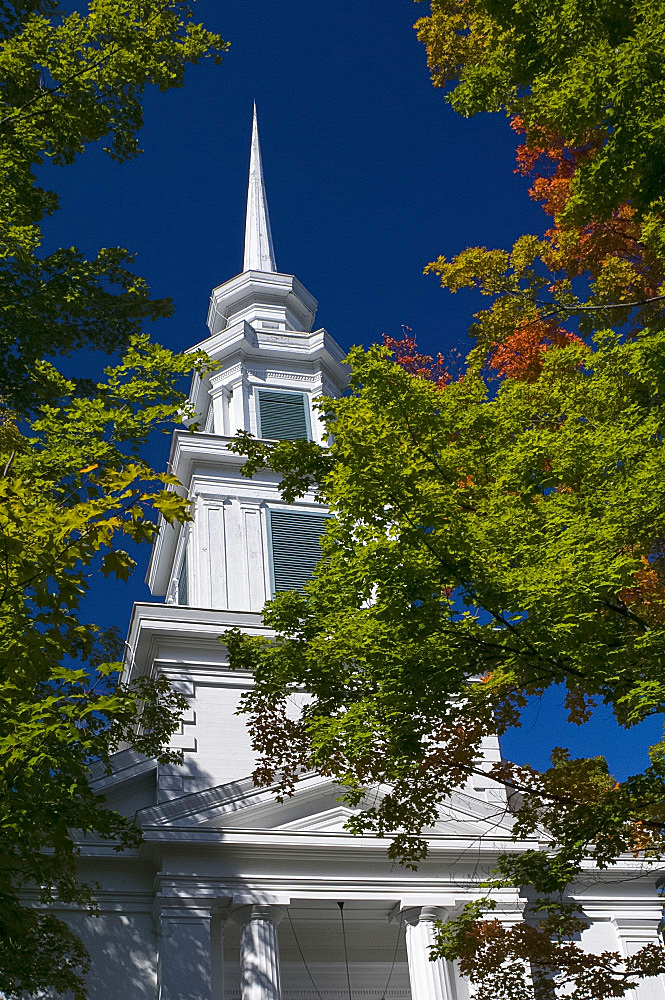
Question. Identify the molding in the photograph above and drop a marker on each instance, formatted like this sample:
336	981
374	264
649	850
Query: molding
296	844
127	765
263	288
264	374
394	992
196	630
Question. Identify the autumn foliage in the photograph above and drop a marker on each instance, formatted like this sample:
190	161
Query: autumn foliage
541	287
531	959
552	293
411	359
503	519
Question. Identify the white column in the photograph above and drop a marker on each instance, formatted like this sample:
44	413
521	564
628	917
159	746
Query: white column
429	980
239	413
259	954
184	971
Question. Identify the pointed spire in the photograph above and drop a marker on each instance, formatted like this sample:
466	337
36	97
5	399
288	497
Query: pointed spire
259	251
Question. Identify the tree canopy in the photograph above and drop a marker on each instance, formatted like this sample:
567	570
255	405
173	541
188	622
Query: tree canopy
588	72
73	487
73	483
69	79
498	521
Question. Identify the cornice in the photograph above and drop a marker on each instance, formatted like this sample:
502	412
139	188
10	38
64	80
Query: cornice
264	288
286	350
302	845
198	629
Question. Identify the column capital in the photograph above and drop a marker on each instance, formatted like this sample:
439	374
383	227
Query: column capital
274	912
642	929
192	905
166	909
427	914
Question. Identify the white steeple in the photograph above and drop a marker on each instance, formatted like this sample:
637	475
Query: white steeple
259	251
260	296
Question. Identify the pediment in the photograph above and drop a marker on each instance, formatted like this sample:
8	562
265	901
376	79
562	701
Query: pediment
328	821
465	815
315	807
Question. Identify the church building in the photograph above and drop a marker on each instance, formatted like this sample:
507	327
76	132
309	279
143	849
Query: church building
233	895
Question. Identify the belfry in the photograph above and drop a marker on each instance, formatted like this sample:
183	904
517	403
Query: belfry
232	895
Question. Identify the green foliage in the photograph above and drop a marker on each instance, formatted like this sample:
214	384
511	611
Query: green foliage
71	489
488	541
68	80
55	305
476	534
500	529
589	72
73	485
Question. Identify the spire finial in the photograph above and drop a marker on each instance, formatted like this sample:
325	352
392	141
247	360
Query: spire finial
259	251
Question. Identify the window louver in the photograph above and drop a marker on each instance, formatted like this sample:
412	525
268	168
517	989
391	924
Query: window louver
295	547
283	415
183	582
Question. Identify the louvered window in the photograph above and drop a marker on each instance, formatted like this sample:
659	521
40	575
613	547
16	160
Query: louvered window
182	594
283	416
295	547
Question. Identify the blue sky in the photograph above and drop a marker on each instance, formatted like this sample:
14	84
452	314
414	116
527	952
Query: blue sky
369	176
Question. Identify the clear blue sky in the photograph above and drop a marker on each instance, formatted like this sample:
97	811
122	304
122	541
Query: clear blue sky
369	175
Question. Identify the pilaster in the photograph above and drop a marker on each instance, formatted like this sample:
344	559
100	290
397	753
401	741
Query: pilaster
185	953
634	931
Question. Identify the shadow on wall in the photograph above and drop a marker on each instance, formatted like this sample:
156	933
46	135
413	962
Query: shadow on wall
177	780
123	952
122	939
134	944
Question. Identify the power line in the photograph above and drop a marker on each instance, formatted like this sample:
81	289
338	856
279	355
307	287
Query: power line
304	960
392	966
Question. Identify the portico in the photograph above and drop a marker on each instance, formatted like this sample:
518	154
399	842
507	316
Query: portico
301	950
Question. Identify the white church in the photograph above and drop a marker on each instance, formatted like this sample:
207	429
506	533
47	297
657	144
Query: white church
232	895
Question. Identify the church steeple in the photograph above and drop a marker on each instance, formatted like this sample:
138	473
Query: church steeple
259	251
